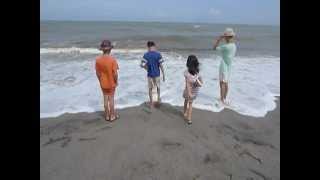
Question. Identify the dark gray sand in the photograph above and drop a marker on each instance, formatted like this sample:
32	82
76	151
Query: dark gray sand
158	145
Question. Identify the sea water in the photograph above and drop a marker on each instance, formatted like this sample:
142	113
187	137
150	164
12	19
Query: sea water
68	81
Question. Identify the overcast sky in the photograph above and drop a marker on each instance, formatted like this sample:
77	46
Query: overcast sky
212	11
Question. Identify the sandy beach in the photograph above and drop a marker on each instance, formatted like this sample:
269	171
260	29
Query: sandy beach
157	145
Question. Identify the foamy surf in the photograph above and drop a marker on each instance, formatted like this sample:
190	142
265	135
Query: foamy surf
70	86
85	50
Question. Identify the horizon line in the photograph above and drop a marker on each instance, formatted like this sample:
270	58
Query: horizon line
187	22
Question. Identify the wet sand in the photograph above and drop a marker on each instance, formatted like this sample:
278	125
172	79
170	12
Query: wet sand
159	145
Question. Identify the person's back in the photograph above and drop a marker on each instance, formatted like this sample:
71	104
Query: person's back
107	66
193	83
228	51
153	61
106	70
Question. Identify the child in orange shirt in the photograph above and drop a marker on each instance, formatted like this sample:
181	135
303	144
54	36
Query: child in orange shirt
106	70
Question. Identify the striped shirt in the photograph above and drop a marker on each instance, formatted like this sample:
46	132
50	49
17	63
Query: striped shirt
194	85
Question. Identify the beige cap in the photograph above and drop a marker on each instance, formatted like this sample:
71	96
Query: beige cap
229	32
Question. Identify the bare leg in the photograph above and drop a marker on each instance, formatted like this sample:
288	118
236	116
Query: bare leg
106	107
185	107
221	91
189	110
150	97
158	91
111	104
226	90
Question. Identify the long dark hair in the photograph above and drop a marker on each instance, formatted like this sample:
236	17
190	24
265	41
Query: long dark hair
193	64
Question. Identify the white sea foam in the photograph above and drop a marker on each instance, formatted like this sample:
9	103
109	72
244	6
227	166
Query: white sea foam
71	85
85	50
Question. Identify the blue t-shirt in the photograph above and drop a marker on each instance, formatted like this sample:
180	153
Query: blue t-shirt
153	60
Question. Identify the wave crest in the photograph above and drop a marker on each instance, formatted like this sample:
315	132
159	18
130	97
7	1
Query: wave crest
85	50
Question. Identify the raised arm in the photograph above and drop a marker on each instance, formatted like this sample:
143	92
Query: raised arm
216	44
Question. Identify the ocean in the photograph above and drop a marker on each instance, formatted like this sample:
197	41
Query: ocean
68	82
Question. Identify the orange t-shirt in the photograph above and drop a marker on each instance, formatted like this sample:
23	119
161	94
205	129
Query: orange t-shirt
106	68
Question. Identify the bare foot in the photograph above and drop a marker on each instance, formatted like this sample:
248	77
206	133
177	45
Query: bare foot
114	118
151	104
223	101
226	103
188	119
106	117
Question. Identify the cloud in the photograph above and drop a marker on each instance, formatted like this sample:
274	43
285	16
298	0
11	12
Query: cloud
214	12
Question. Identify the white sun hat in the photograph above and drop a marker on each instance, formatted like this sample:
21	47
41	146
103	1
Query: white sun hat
229	32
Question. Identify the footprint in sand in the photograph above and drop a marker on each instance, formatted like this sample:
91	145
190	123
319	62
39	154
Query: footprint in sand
170	145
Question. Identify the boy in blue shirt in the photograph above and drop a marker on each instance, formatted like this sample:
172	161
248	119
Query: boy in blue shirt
152	62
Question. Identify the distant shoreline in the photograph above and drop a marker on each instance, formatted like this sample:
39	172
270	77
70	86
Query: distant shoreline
162	22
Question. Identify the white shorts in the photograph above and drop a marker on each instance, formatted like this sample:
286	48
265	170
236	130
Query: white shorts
153	81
